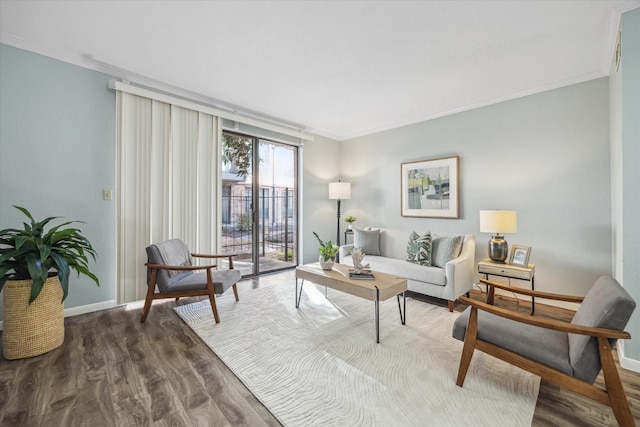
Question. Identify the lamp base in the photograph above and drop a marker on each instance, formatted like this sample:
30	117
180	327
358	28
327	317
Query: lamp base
498	249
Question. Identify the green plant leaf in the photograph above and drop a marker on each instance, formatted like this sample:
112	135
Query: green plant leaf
32	252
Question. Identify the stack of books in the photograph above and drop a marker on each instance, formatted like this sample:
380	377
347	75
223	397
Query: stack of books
363	275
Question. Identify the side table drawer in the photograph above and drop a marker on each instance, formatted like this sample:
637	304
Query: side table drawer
508	271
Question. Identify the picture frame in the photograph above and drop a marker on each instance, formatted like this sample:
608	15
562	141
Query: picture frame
430	188
520	255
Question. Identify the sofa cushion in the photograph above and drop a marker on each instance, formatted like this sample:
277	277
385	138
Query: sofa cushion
419	248
367	240
444	249
401	268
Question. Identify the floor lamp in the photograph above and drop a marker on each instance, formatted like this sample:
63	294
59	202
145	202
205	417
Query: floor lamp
339	191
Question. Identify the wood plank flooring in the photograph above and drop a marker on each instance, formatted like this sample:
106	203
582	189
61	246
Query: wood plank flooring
114	371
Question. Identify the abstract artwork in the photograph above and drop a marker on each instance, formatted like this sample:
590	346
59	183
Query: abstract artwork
430	188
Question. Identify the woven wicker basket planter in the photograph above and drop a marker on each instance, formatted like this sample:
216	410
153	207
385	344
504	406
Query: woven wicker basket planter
30	330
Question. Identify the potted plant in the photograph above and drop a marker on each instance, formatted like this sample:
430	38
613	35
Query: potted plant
350	220
327	251
34	271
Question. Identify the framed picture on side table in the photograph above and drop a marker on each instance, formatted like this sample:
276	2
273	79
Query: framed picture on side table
520	255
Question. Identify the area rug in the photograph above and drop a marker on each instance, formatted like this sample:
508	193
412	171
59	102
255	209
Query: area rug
319	365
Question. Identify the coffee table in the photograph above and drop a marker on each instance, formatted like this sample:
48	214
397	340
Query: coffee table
383	287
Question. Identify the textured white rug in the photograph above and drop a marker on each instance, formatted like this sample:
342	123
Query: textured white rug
320	365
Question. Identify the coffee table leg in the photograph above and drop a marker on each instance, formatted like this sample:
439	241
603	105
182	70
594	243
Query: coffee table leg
377	302
299	296
403	310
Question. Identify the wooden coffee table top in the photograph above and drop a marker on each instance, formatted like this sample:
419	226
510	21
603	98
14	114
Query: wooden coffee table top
387	285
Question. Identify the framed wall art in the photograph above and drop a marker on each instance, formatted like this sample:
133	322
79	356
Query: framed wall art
520	255
430	188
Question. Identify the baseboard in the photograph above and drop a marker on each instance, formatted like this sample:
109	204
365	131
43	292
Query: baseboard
89	308
625	362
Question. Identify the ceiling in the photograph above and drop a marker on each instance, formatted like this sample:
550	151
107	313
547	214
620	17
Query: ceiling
339	69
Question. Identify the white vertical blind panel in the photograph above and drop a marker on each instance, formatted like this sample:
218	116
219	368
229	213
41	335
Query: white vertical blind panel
134	126
168	184
159	161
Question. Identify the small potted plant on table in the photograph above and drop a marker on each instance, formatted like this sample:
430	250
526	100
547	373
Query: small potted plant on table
328	252
34	271
350	220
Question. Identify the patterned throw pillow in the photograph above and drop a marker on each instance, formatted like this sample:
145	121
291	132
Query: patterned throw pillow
445	249
367	240
419	248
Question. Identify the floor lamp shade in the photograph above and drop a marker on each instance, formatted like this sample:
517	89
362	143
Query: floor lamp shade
497	222
339	190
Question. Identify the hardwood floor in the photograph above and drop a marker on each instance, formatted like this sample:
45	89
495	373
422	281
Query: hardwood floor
114	371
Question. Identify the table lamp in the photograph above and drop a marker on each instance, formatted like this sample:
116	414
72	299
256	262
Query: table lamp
498	221
339	191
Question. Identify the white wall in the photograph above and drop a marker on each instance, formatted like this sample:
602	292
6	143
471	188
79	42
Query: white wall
545	155
625	143
321	166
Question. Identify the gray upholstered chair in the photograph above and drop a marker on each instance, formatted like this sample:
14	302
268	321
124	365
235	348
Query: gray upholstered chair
568	354
171	268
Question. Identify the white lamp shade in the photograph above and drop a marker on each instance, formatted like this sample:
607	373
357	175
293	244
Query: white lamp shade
339	190
498	221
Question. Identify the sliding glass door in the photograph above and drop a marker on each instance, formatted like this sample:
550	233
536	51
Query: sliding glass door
259	203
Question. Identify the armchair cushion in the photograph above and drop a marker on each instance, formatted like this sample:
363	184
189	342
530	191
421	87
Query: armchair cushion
222	280
174	252
522	339
607	305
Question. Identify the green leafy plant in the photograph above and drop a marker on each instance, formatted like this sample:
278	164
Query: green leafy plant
350	219
327	249
237	149
32	253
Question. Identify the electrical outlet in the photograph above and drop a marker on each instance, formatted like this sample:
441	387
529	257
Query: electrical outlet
107	195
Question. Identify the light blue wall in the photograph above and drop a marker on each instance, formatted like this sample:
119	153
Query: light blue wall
630	138
57	154
545	155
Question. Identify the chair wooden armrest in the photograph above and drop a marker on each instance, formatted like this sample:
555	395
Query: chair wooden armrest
555	325
230	256
532	293
213	256
180	268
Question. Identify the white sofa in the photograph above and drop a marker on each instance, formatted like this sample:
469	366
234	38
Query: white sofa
455	279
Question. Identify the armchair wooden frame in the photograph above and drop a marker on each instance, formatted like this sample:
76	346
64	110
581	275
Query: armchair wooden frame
209	290
612	396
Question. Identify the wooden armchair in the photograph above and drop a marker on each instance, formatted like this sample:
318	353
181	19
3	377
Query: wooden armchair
568	354
171	268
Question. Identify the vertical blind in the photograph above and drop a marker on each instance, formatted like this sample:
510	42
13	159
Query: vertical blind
168	183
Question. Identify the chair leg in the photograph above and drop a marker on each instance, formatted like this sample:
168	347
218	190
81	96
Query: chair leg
469	345
151	286
235	291
618	400
214	308
450	305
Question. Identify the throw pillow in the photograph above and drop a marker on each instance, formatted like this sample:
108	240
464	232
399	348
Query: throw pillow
367	240
444	249
419	249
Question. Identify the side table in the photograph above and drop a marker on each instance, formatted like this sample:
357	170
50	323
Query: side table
487	267
346	234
